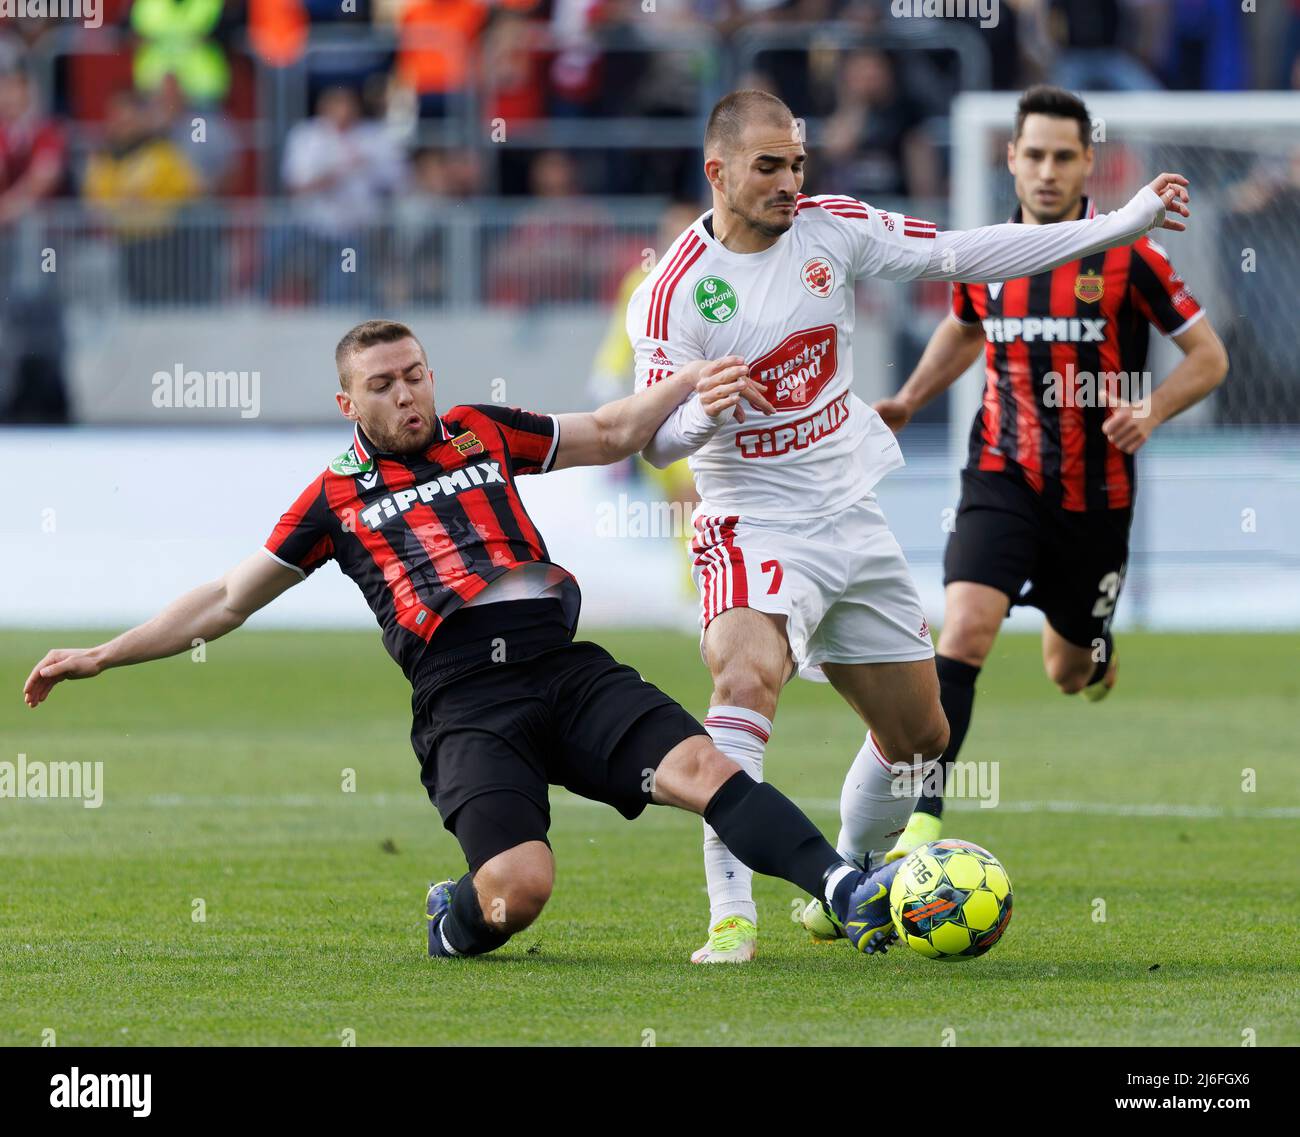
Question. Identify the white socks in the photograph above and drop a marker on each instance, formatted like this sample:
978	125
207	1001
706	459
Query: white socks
877	799
741	734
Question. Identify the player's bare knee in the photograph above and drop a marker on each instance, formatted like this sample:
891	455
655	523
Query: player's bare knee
1071	682
1070	675
512	892
525	903
925	743
934	739
747	686
692	773
968	638
517	903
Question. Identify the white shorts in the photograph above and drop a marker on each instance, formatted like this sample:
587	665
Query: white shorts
841	582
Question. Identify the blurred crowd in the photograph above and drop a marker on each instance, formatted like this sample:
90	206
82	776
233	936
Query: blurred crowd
363	120
349	109
416	65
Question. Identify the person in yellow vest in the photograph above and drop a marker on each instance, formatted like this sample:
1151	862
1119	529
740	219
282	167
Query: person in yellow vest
139	181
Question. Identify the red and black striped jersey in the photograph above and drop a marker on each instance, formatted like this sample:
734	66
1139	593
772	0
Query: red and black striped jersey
1052	340
422	534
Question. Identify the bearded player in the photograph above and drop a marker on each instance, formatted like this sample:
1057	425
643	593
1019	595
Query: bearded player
1048	488
796	567
423	513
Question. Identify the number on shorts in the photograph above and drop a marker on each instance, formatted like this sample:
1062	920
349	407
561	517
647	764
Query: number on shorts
1108	586
774	567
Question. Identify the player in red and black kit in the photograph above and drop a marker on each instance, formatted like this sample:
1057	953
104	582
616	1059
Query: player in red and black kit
1048	489
423	513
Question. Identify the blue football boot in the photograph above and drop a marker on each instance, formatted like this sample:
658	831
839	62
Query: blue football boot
860	911
437	905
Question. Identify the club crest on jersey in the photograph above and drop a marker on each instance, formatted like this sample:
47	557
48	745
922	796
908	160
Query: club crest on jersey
467	444
716	299
818	277
1088	287
794	372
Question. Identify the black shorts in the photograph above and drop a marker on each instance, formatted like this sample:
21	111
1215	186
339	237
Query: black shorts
1007	536
571	716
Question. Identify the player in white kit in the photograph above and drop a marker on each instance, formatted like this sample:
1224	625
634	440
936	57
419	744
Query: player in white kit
796	566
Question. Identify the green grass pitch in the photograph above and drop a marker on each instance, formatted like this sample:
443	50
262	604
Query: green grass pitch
223	783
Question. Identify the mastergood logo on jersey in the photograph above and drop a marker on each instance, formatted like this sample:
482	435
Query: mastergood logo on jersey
794	372
716	299
1088	287
818	277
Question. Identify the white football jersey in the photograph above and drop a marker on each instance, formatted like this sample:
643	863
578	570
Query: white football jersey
788	312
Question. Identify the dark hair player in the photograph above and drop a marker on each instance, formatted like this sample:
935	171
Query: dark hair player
1047	492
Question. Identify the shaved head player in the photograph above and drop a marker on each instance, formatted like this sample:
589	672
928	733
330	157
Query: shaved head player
796	566
423	513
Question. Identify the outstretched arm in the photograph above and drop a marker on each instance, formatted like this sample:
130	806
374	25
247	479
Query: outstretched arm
206	612
1004	252
621	428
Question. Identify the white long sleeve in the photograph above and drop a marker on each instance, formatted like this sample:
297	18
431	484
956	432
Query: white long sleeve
683	432
1005	252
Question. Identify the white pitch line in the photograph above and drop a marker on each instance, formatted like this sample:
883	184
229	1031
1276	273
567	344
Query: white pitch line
1097	809
820	805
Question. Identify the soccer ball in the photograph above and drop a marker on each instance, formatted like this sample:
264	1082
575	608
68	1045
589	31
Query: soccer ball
950	900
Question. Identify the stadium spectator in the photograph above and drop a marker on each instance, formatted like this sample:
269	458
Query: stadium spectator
875	141
202	134
438	43
1090	36
33	150
419	220
346	56
339	169
553	253
513	67
425	253
140	180
1289	73
1206	47
33	160
576	65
